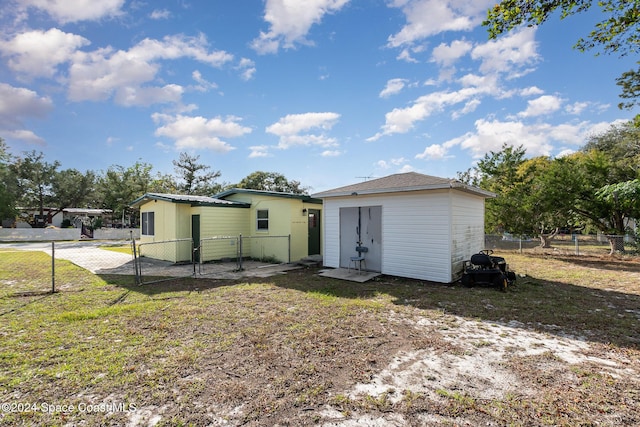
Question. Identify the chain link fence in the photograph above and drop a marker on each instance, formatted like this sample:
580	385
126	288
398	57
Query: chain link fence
32	269
576	244
46	267
226	254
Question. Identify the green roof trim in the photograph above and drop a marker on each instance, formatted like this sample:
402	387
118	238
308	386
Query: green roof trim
304	197
188	199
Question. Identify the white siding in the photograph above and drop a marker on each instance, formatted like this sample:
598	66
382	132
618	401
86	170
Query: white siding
467	225
416	230
416	240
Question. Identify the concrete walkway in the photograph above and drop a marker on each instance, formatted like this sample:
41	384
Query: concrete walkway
85	254
90	256
96	260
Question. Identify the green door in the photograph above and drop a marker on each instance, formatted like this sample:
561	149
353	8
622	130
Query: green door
314	231
195	236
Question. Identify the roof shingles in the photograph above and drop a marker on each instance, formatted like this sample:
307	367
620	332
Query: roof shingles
410	181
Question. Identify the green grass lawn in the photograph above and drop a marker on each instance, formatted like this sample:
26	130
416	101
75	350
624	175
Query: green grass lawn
277	350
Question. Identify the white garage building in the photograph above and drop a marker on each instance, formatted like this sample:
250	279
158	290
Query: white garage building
412	225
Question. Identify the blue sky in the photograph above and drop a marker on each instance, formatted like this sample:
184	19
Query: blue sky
325	92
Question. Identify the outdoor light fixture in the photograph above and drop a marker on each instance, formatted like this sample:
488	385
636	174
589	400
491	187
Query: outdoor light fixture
304	211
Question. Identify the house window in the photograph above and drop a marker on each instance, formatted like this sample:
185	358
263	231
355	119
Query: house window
262	220
148	223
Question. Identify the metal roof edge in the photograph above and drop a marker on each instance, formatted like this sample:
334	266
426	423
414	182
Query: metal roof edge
166	198
304	197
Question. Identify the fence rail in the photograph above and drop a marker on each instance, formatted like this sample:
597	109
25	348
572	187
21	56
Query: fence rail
36	268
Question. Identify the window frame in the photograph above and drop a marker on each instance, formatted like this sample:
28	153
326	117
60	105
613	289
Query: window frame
148	222
262	221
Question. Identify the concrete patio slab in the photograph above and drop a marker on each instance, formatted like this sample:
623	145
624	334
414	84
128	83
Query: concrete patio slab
351	275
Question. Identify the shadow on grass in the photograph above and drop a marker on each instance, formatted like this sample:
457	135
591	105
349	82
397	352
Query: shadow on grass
158	285
589	314
26	299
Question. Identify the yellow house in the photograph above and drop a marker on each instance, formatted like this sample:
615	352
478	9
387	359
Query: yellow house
277	226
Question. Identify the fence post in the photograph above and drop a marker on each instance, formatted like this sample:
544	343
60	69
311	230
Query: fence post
240	252
575	236
195	251
53	267
136	267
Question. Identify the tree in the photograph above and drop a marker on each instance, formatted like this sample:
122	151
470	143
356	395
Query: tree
621	144
35	178
71	188
271	181
618	33
8	185
119	186
497	172
530	193
194	176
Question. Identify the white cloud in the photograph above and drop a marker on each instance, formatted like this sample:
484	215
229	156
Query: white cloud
577	107
426	18
247	69
259	151
565	153
38	53
160	14
97	75
402	120
199	132
505	56
65	11
23	135
546	104
294	129
203	84
447	54
17	103
405	55
406	168
531	91
537	139
290	21
393	87
433	152
384	164
145	96
331	153
508	54
469	107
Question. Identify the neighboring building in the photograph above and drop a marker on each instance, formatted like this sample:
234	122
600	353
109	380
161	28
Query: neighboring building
279	226
413	225
54	217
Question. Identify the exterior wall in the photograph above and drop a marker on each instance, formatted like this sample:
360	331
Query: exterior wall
467	229
224	224
172	221
285	218
416	229
265	244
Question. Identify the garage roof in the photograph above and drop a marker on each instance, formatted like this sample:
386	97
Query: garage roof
401	182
